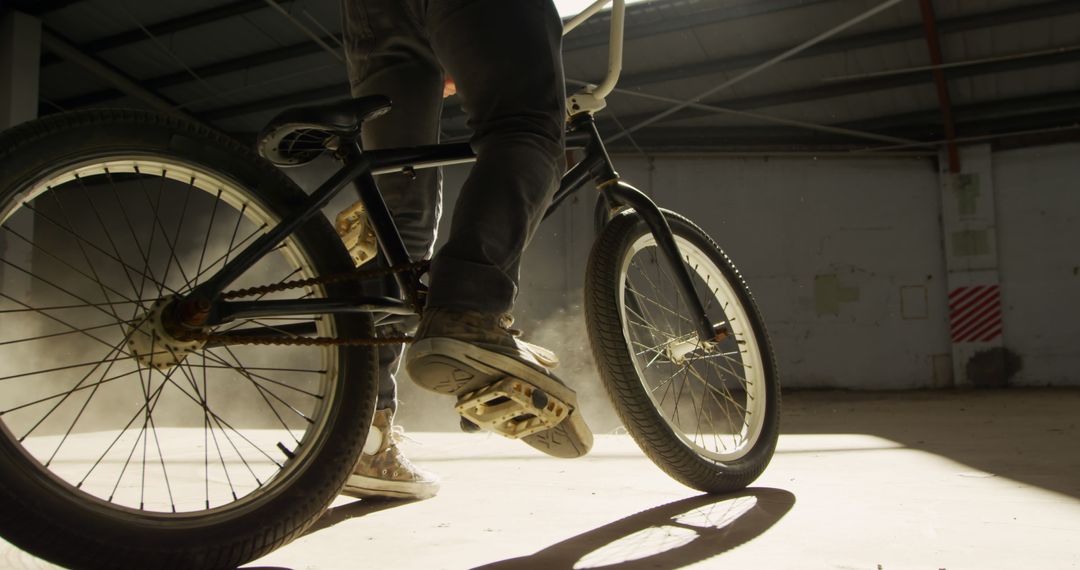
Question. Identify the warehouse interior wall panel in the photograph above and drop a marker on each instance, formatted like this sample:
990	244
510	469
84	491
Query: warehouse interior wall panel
845	257
1039	229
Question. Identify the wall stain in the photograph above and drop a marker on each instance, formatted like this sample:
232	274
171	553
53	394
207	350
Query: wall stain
993	368
829	294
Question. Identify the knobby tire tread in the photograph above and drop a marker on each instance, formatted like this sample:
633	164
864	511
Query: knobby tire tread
631	402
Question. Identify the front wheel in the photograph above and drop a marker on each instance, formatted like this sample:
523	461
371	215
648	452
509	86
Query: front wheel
706	413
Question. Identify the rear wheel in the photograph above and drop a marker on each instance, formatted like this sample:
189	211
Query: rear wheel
210	457
706	413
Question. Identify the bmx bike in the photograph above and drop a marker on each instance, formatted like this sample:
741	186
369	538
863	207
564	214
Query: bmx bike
187	362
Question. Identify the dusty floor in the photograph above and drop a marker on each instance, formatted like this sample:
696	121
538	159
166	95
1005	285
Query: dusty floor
928	480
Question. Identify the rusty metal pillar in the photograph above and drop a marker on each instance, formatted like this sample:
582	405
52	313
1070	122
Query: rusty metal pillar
933	42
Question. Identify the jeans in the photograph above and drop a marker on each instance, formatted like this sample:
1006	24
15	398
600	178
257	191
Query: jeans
506	58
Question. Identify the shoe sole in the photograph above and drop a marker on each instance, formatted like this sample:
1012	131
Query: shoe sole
453	367
361	487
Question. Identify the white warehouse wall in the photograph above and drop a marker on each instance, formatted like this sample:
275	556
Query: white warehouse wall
845	258
1038	205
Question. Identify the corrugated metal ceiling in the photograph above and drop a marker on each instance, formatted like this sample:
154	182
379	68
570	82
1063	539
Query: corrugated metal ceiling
236	63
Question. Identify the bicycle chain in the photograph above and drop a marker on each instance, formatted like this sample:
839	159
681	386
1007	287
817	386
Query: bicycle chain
322	280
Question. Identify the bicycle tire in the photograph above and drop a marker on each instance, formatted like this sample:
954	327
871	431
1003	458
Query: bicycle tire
617	331
68	524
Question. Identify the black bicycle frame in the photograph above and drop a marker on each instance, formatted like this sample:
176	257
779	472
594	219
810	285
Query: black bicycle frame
202	307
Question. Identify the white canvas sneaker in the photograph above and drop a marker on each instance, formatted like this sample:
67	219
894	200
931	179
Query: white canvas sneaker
383	471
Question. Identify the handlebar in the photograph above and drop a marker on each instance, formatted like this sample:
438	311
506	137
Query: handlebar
597	93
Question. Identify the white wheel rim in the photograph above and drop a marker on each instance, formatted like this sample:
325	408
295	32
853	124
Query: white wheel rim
228	486
711	373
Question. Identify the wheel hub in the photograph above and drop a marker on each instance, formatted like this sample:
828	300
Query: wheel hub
152	342
678	350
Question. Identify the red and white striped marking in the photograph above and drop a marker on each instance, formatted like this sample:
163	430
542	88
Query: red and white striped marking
975	313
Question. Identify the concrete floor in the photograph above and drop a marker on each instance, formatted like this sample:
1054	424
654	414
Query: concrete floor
924	480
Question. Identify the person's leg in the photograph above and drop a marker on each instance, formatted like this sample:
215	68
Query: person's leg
505	57
506	60
387	55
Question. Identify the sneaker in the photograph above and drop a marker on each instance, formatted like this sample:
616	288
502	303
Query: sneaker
382	470
461	352
543	356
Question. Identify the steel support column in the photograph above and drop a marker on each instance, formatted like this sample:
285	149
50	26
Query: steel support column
20	54
20	51
933	42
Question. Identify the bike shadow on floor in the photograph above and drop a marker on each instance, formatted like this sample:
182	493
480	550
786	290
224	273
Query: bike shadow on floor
354	510
669	536
341	514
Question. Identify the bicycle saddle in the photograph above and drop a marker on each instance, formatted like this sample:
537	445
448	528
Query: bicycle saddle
300	134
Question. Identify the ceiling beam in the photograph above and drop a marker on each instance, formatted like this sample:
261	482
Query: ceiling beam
1035	111
315	95
643	20
830	90
668	23
859	86
41	7
647	24
905	33
171	26
71	53
959	24
1006	116
785	138
933	44
929	125
275	55
1008	16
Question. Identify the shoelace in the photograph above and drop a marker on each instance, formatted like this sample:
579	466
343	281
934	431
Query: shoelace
397	435
506	322
544	356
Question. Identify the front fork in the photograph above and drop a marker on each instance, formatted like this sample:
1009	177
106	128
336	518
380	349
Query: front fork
616	195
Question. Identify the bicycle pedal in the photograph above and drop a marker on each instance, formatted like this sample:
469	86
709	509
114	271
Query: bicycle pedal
512	408
356	233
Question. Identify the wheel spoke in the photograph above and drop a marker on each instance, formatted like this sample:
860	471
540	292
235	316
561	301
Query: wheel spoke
206	238
115	349
248	372
59	334
68	392
682	376
93	279
104	228
110	239
88	304
82	240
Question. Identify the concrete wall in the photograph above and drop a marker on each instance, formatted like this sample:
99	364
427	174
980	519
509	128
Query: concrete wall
1038	204
843	257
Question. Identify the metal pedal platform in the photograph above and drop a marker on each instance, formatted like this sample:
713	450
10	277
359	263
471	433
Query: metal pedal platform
512	408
